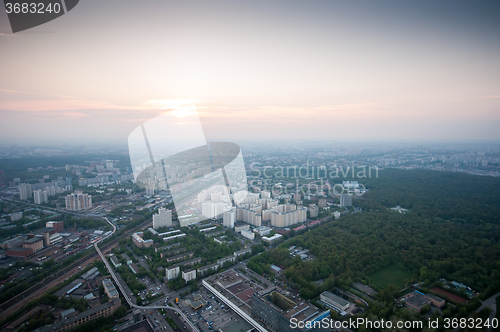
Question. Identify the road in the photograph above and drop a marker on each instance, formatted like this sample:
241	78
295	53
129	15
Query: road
43	207
491	303
126	294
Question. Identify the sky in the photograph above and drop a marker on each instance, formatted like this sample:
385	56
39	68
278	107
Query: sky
256	70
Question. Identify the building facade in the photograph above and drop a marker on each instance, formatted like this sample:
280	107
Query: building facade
345	200
40	196
288	214
172	272
313	210
189	275
78	201
162	219
228	218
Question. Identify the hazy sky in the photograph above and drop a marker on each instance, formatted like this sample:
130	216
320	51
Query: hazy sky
256	69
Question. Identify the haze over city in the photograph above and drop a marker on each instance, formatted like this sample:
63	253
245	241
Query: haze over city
256	70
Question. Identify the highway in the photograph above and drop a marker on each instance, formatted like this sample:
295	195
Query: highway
43	207
120	286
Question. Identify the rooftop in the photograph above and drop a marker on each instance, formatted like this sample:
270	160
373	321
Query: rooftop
416	300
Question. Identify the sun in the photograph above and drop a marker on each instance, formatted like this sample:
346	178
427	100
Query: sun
180	108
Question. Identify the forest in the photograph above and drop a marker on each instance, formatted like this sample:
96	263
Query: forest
452	231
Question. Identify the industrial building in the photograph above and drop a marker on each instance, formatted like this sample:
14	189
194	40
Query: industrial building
35	244
57	225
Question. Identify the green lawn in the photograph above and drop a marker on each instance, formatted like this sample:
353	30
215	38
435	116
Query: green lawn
389	275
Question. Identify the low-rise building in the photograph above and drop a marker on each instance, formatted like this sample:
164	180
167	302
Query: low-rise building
19	252
127	259
436	300
180	257
334	301
110	289
243	252
238	228
116	263
229	259
262	230
191	262
172	252
272	239
140	242
133	268
416	300
103	310
248	234
203	271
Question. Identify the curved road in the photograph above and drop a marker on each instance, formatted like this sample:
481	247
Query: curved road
130	303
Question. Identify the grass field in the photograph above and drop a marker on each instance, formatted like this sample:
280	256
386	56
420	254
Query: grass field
389	275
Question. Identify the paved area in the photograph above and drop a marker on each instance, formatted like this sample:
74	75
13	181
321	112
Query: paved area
491	303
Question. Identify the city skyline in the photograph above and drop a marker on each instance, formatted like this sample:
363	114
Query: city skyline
266	70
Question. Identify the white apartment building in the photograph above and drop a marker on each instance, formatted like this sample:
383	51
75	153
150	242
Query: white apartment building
40	196
162	219
189	275
172	272
229	217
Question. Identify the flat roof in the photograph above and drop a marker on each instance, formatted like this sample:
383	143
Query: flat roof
238	325
335	298
434	297
417	300
34	240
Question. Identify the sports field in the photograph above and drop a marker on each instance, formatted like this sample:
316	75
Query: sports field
389	275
